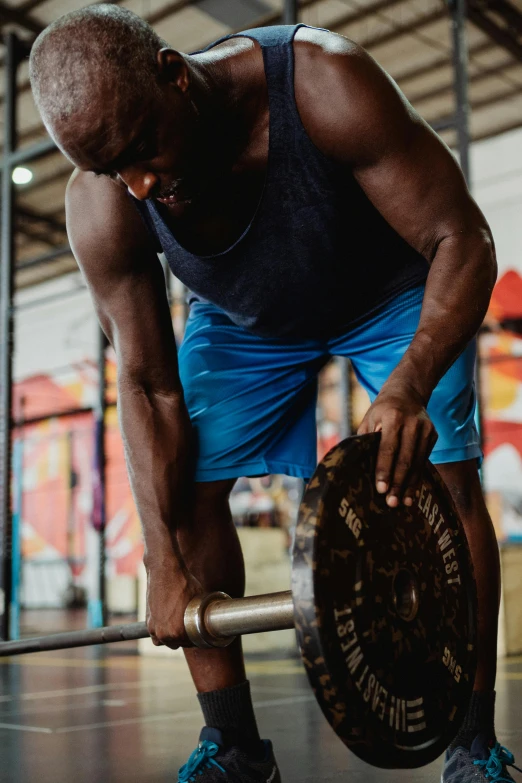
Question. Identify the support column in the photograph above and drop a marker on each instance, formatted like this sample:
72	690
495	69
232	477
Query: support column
102	463
460	65
6	328
290	12
97	603
462	121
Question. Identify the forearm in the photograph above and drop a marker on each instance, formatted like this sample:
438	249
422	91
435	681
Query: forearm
457	295
156	434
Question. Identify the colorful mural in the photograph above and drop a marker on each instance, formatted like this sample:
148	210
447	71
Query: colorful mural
501	396
58	508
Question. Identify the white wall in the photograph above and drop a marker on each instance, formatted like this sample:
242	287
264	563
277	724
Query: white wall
55	328
496	171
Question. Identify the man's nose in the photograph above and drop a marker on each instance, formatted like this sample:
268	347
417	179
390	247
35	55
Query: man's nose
140	184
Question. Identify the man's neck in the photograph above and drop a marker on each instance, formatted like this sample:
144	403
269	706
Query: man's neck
231	100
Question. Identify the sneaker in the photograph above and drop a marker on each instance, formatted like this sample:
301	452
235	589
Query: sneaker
485	761
213	762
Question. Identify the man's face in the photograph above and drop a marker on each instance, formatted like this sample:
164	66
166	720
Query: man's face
158	147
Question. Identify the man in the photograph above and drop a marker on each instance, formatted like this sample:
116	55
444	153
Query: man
313	213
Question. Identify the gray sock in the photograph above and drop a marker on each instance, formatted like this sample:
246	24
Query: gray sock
480	719
231	711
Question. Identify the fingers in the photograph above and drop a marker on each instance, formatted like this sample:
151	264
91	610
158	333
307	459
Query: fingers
388	448
405	461
368	425
155	634
404	449
165	642
161	638
424	449
365	426
150	628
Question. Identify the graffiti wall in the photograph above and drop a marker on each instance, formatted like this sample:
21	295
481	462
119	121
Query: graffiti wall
497	182
58	478
501	388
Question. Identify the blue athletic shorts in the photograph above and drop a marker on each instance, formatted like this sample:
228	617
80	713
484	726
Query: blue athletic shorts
252	399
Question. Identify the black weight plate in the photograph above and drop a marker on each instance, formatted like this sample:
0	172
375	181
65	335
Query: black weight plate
385	609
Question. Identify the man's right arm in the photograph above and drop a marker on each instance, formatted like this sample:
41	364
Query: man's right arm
126	280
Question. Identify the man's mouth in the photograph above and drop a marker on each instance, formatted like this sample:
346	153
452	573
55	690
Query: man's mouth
176	197
175	194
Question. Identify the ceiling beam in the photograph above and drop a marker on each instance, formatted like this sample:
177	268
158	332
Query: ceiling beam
508	12
32	216
273	17
373	9
475	78
47	229
22	11
484	103
498	131
276	17
406	29
45	258
481	103
414	72
33	234
12	15
29	5
506	36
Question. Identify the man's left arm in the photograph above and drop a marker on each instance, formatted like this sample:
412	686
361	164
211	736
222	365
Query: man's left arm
413	180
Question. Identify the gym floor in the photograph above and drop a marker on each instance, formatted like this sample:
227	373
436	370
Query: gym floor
107	715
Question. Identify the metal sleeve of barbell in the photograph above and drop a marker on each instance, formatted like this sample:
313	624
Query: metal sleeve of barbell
228	618
254	614
62	641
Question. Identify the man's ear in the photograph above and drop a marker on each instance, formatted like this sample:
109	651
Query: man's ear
173	68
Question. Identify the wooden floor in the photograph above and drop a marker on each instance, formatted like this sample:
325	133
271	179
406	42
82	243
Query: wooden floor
100	716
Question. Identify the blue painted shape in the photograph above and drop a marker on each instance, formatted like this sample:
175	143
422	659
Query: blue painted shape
16	542
94	613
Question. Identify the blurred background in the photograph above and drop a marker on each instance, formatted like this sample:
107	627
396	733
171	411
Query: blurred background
72	544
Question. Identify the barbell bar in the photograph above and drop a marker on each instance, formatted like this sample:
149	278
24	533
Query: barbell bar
213	620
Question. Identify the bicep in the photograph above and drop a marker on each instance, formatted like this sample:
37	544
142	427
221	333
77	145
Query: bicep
126	281
418	187
358	117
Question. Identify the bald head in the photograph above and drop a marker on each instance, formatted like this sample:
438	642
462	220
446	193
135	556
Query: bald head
101	53
118	101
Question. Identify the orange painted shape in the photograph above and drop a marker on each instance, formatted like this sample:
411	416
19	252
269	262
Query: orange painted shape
506	301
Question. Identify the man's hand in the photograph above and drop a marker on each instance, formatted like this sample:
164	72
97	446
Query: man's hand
169	590
407	439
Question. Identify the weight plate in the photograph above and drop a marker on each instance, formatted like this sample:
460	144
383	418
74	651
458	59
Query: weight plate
385	609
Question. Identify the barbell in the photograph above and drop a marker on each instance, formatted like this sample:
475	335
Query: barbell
383	602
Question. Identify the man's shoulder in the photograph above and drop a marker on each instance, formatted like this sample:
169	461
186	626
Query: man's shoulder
319	43
327	64
100	214
98	199
85	190
316	39
342	94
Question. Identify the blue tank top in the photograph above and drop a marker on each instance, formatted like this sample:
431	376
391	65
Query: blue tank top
317	257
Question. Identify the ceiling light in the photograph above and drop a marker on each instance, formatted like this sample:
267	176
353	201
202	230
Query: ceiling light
21	175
